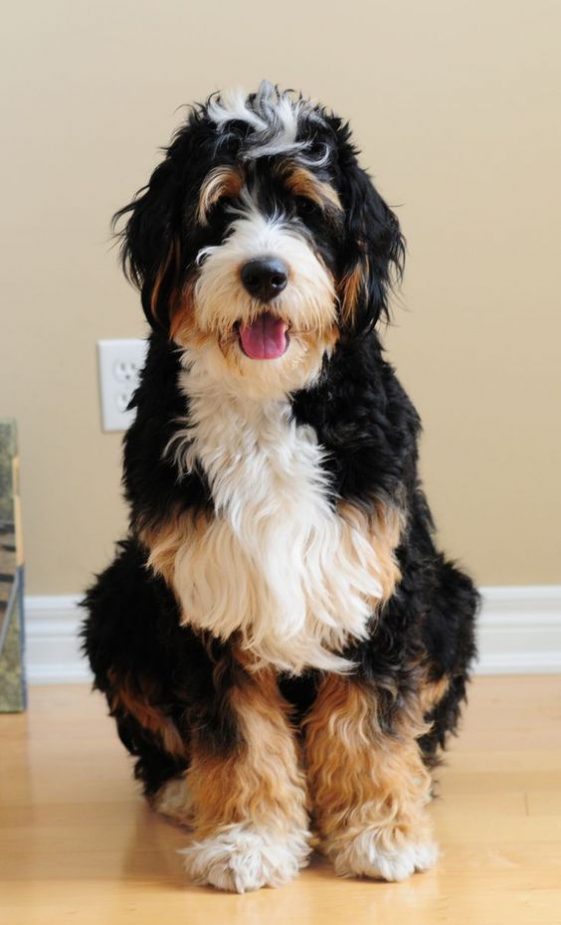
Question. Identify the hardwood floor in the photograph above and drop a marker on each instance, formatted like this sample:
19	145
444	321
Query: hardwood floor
77	843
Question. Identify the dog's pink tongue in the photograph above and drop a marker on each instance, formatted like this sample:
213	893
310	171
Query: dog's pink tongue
265	338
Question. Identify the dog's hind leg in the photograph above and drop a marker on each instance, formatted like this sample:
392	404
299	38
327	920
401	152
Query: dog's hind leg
137	652
449	641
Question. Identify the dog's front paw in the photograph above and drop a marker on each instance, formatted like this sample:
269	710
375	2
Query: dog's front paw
241	858
368	855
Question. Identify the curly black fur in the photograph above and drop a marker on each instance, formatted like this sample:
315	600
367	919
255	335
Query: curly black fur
361	416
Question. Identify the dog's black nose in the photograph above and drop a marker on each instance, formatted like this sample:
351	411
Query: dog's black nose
264	277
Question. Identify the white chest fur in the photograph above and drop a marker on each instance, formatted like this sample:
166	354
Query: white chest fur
276	563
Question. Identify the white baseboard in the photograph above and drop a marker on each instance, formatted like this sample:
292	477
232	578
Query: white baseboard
52	645
520	630
519	633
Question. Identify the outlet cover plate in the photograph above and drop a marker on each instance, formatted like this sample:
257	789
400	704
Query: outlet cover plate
119	363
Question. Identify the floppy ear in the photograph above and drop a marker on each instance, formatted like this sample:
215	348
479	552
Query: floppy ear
151	245
374	250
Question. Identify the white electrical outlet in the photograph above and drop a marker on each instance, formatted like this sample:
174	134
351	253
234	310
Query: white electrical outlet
119	363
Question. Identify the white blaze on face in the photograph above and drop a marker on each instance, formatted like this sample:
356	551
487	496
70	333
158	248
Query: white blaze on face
307	303
222	305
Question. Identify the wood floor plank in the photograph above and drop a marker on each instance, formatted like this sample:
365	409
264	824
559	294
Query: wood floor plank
78	844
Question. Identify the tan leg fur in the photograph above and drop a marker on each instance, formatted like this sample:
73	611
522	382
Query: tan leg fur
369	788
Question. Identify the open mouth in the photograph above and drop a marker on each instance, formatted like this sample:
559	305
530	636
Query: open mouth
266	338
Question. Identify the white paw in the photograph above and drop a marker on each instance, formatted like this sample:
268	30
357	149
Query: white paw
365	856
241	858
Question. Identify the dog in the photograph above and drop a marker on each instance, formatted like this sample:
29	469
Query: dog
282	646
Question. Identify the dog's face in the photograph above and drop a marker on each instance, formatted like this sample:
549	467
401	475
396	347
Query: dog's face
259	241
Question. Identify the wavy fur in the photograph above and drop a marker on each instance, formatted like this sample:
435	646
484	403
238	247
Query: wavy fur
282	645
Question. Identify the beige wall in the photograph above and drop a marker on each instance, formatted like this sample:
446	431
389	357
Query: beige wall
456	107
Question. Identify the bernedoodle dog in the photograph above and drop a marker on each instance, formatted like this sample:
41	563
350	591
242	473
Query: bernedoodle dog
282	646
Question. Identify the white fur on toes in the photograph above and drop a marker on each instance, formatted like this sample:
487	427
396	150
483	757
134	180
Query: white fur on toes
241	858
364	856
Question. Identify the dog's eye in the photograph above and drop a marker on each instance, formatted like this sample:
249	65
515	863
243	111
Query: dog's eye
215	210
305	205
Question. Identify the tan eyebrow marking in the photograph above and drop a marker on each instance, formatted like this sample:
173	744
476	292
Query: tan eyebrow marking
302	182
222	181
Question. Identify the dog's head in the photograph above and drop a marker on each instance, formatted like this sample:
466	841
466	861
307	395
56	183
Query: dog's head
259	241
